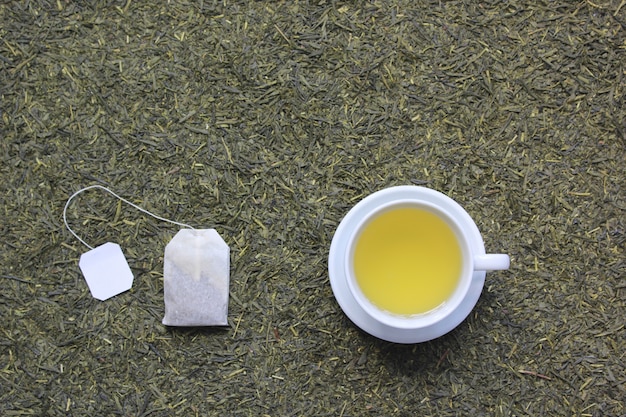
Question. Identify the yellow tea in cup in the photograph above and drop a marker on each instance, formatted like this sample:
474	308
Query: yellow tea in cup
407	260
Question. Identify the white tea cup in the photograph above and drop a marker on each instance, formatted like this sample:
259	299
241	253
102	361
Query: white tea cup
407	264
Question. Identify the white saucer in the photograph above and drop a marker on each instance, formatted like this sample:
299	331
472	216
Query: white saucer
339	283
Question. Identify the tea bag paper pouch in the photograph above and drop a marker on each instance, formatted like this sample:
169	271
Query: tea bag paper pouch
196	275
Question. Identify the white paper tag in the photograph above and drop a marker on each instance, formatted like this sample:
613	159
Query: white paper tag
106	271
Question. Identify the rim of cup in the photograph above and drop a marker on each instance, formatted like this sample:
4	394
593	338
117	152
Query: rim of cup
428	318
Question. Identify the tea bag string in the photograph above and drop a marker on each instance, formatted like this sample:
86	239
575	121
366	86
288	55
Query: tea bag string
69	200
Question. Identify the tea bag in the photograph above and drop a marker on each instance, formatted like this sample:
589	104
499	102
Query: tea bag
196	279
196	271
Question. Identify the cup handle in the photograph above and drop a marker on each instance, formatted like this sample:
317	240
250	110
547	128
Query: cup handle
491	262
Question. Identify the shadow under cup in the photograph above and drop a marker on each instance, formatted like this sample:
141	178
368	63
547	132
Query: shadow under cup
405	251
